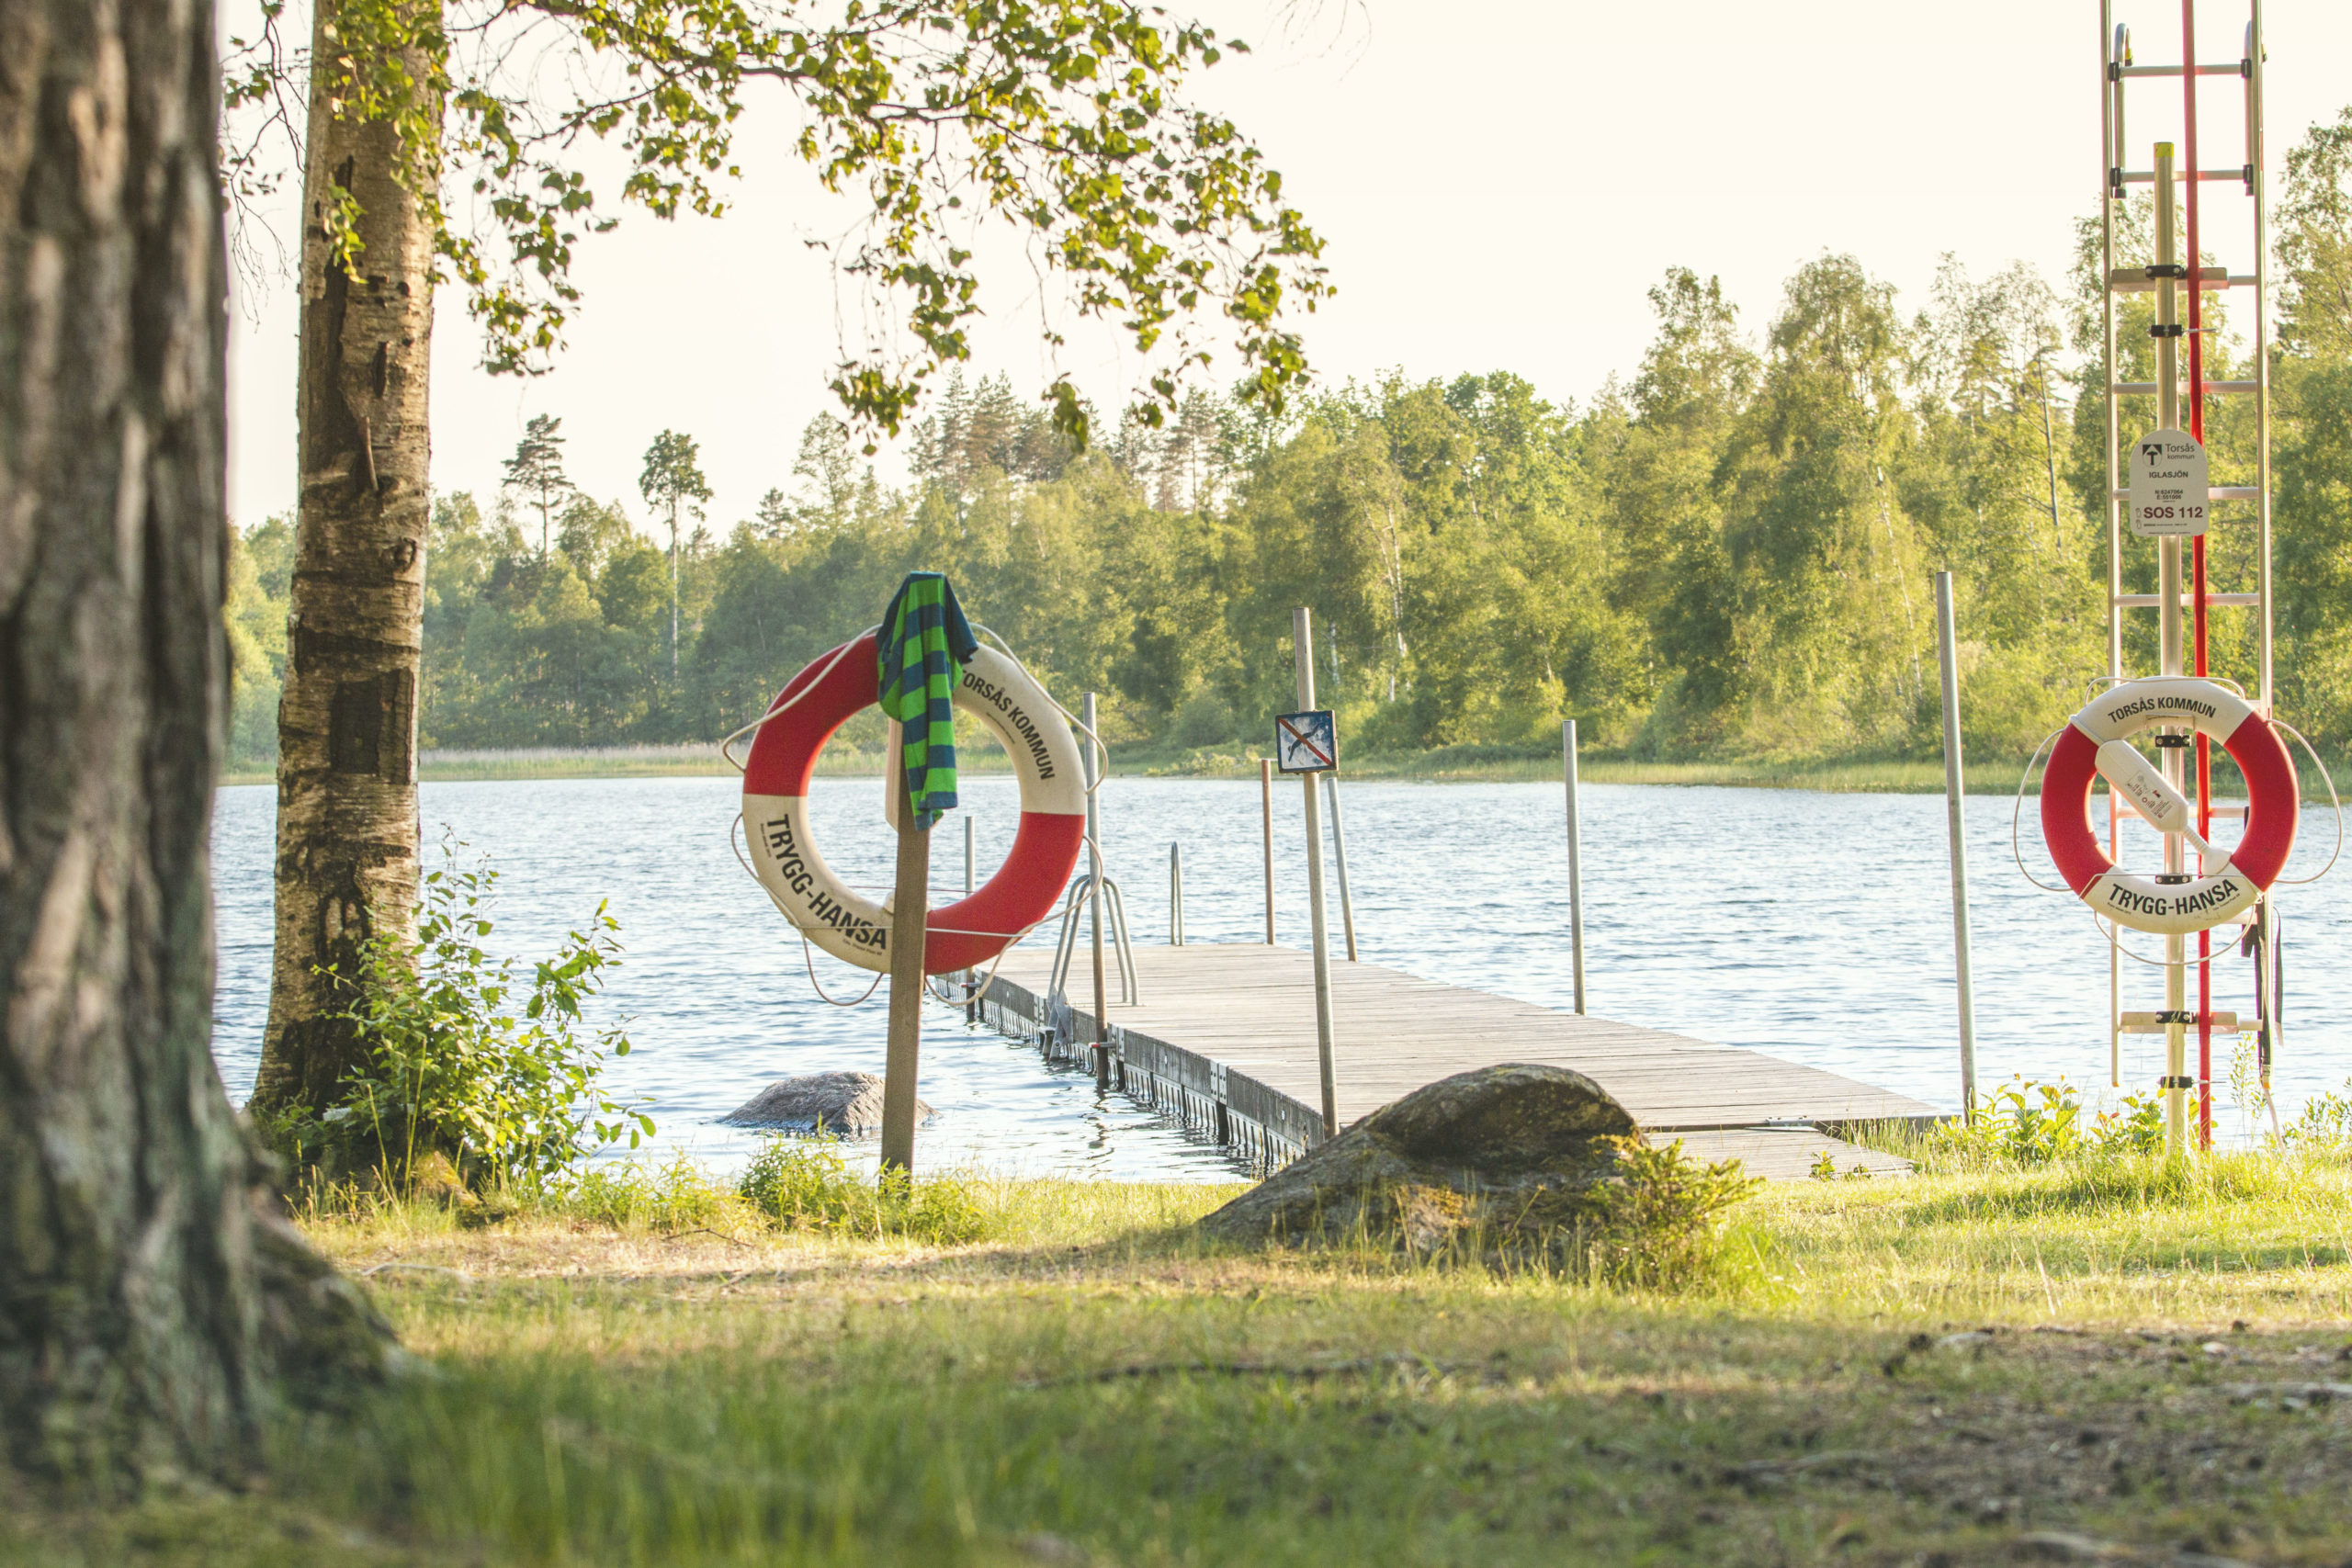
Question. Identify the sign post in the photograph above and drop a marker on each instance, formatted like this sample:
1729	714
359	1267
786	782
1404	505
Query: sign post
1306	744
909	914
2168	479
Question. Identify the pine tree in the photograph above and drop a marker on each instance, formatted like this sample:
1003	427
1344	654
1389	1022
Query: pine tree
537	471
672	484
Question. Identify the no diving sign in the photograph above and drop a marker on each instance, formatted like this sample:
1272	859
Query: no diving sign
2169	495
1306	742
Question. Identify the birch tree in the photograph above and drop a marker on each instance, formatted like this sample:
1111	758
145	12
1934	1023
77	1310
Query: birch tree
1065	120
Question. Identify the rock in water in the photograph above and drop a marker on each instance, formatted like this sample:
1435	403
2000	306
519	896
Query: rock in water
1497	1159
848	1103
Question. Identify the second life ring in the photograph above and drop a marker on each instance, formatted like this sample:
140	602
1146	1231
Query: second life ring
994	689
2095	743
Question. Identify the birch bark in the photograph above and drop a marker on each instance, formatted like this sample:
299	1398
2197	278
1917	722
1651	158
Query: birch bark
347	856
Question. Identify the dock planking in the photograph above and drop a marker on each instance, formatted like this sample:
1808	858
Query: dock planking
1224	1037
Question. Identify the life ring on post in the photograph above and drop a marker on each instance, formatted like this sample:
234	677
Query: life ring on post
993	688
2097	743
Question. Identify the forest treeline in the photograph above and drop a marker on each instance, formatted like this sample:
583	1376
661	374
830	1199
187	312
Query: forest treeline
1728	554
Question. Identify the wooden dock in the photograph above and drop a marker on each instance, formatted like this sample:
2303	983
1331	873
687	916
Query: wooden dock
1224	1039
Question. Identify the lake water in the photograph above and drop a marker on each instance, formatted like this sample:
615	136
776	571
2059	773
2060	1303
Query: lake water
1815	927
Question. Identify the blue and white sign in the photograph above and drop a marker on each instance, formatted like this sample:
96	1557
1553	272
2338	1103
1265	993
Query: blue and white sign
1306	742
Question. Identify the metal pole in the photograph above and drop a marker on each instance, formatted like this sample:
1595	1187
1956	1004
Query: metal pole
1576	863
1955	793
1339	847
1302	641
1266	808
1094	901
2168	590
908	913
1175	894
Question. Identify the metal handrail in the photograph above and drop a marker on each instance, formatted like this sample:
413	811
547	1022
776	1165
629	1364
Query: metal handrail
1065	944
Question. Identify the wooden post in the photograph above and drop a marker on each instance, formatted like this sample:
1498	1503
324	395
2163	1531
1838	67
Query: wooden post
1955	794
971	976
1266	805
1339	852
1575	864
909	911
2168	639
1176	894
1303	642
1094	904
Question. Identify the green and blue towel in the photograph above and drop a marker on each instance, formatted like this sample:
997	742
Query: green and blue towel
924	638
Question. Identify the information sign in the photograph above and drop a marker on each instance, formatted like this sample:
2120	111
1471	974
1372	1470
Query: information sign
1306	742
2169	495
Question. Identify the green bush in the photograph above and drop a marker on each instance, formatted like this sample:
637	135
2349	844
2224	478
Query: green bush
2137	1129
1204	719
2028	1123
466	1061
2023	1124
2325	1124
806	1184
1655	1221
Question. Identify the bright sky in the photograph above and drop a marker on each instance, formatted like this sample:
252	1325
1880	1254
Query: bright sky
1499	184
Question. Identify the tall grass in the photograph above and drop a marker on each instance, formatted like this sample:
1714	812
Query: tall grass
2108	1236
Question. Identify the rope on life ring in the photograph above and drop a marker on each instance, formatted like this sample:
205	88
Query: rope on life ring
2095	743
994	688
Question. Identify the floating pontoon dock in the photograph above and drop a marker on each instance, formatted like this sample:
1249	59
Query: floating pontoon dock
1224	1039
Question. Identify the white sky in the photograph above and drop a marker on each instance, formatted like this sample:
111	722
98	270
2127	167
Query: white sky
1499	184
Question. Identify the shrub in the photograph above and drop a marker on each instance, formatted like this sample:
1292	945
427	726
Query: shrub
466	1062
2028	1123
806	1184
2024	1123
2137	1129
1204	719
1655	1220
2325	1124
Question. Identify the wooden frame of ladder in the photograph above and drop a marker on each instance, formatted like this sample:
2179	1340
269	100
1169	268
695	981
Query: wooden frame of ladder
2117	70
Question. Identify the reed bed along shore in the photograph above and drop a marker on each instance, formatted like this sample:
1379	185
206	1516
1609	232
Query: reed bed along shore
445	766
1450	765
2107	1361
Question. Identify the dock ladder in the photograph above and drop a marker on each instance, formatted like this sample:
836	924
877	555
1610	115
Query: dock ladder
2169	278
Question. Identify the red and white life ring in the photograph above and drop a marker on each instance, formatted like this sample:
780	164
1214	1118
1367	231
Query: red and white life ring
2095	743
993	688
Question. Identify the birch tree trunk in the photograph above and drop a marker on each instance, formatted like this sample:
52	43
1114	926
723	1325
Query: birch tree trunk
346	722
151	1295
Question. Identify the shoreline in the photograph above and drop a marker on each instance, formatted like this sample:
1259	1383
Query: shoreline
1835	776
1450	765
1880	778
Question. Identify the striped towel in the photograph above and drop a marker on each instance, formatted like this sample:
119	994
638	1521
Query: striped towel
921	632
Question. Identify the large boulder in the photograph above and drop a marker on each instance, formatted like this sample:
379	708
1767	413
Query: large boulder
847	1103
1495	1160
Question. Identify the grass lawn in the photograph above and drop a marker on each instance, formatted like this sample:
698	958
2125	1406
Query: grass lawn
1941	1371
